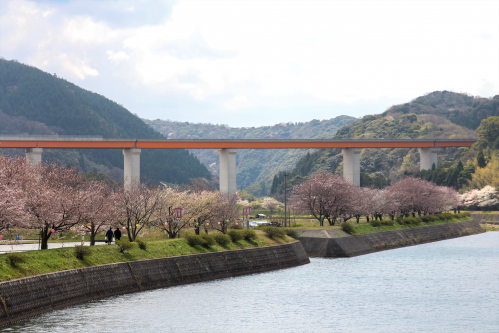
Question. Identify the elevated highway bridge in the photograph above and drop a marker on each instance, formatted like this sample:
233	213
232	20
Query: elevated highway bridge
227	149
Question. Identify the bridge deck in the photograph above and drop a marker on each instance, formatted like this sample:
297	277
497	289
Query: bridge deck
219	144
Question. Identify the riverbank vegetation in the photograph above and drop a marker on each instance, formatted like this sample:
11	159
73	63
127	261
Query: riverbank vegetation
329	197
411	222
54	199
53	260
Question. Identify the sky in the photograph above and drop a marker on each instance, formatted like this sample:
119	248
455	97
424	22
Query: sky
255	63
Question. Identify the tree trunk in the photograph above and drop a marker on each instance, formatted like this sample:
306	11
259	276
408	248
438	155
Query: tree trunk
45	234
196	230
92	235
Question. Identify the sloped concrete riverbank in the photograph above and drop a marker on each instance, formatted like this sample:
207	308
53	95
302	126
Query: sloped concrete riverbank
323	245
27	297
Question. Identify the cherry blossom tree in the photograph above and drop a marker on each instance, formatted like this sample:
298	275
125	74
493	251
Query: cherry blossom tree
52	199
97	207
325	196
270	204
136	207
226	212
15	174
198	208
373	201
486	197
416	195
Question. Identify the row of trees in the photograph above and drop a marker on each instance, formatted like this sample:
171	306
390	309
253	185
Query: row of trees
327	196
54	198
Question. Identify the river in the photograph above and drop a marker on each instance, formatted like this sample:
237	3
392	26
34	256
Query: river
447	286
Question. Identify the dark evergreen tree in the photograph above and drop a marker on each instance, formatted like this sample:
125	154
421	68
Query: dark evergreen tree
496	144
480	159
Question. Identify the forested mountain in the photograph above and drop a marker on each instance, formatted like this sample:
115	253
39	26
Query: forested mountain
437	115
33	102
255	167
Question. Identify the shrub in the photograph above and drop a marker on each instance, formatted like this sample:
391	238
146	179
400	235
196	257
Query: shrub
463	215
416	220
15	258
142	244
124	245
374	223
348	228
82	251
273	232
430	218
425	218
299	225
403	221
292	233
194	240
208	239
446	216
387	222
222	239
236	227
235	235
249	234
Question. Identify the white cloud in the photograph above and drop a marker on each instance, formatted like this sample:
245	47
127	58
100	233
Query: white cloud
84	29
76	67
117	56
237	103
217	56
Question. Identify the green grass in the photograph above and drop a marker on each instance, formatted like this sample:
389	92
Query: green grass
490	227
367	228
46	261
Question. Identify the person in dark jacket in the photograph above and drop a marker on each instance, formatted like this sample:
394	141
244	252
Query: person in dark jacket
117	234
109	235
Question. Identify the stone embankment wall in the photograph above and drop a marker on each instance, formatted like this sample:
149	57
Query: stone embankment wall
480	218
352	246
27	297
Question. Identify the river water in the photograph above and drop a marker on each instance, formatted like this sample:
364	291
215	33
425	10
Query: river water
447	286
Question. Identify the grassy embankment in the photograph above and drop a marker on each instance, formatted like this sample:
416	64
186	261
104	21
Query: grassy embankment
490	227
367	228
46	261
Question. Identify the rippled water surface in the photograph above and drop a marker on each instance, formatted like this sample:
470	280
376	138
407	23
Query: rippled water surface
448	286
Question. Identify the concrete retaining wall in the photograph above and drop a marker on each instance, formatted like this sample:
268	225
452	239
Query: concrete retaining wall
485	217
352	246
27	297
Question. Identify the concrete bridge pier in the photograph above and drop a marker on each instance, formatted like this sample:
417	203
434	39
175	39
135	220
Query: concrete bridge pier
132	165
428	157
228	170
351	165
34	155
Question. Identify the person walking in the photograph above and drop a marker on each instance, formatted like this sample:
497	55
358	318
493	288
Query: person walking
117	234
109	235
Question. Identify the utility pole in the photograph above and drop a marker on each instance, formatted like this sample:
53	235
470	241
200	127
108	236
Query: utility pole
285	207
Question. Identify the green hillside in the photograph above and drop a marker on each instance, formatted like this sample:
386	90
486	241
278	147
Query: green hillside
33	102
255	167
438	115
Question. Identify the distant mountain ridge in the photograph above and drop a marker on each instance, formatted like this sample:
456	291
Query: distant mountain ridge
437	115
33	102
255	167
